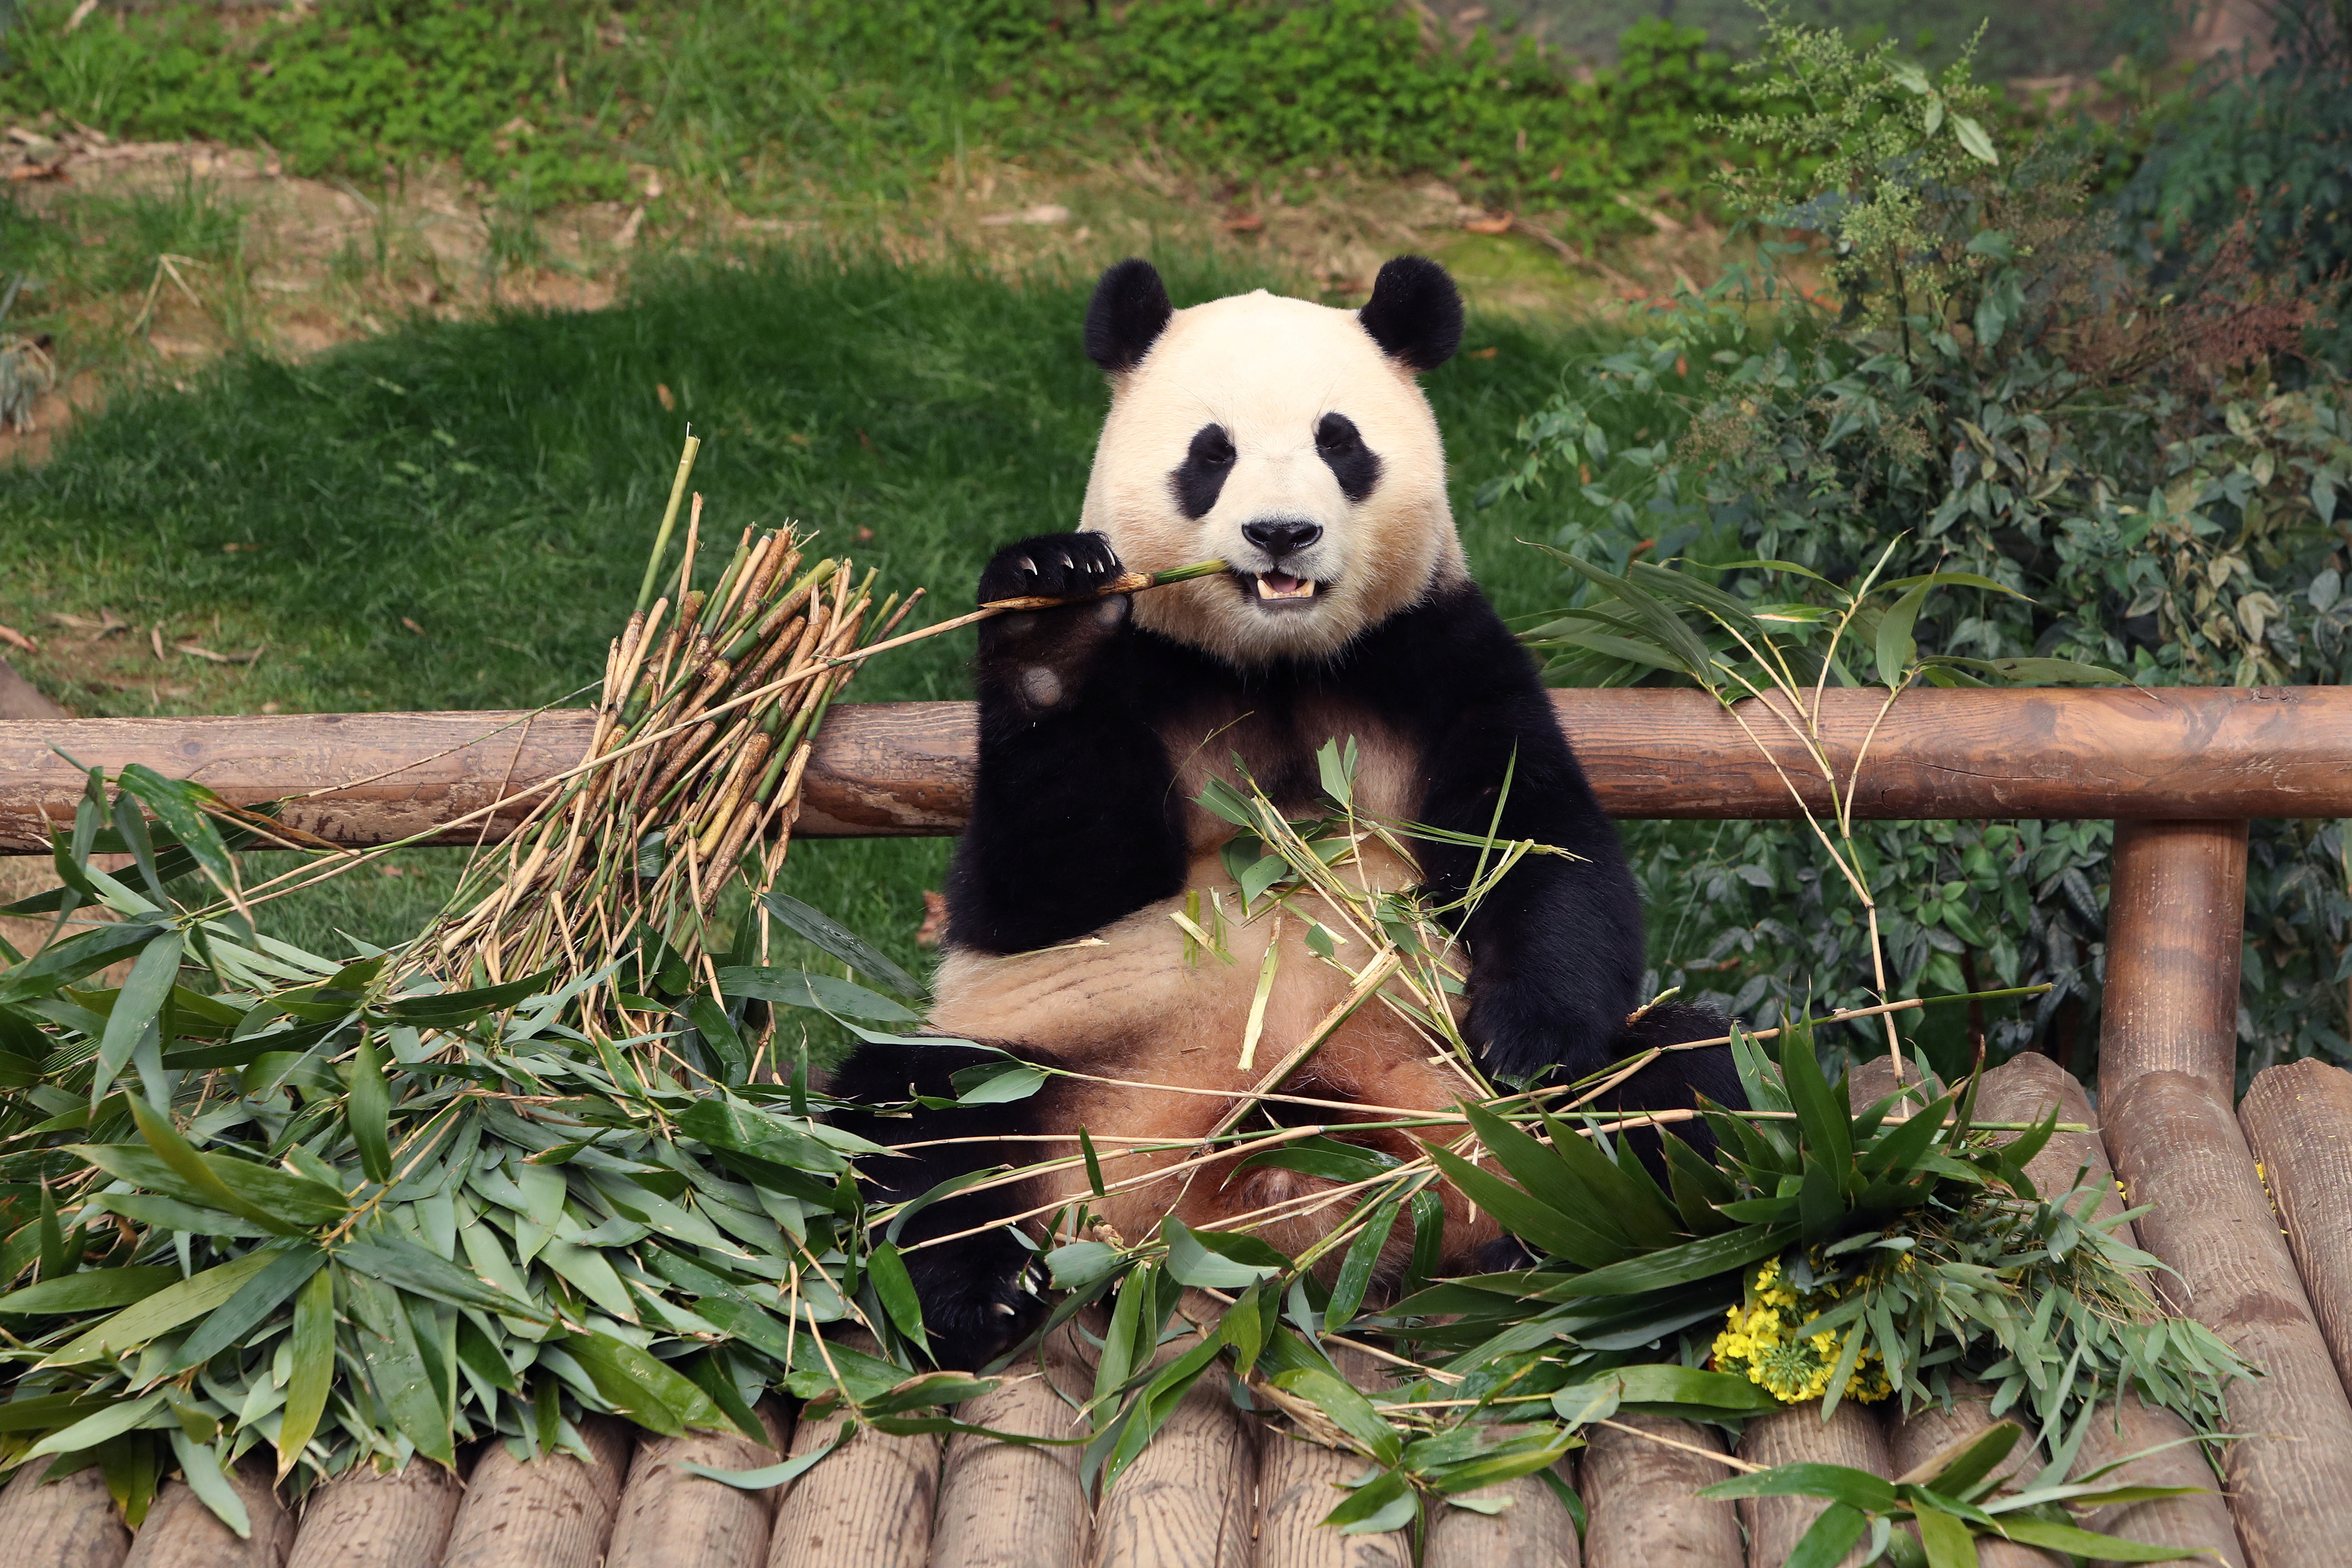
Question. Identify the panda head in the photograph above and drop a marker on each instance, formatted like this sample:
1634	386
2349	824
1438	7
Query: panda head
1290	440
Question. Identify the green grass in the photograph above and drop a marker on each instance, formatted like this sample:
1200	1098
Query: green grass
498	482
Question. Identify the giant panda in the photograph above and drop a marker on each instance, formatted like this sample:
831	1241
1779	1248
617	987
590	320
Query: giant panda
1293	441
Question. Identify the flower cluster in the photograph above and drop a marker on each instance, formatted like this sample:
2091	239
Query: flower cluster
1760	1339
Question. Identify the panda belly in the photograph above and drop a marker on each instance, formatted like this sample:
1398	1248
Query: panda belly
1158	1037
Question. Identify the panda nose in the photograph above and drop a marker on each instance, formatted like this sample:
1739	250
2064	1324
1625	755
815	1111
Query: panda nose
1278	537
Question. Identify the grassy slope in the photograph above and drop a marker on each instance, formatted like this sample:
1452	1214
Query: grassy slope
497	483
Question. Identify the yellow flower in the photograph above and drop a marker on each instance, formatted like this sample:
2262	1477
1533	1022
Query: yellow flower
1754	1339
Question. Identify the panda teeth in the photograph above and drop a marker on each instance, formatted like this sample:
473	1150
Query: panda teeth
1299	587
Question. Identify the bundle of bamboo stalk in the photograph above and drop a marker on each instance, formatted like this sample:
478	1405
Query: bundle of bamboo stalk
711	701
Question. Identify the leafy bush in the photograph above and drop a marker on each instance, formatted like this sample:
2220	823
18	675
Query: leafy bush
1980	385
555	97
2274	147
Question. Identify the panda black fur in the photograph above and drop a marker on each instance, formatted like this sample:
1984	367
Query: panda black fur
1292	440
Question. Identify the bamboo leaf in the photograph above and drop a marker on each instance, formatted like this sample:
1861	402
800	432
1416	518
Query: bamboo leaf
821	992
1897	648
896	1287
1832	1535
164	1311
395	1261
1692	1260
136	1007
731	1124
367	1109
1527	1216
199	1465
313	1372
287	1271
92	1430
175	803
1356	1267
2088	1543
92	1290
643	1387
822	931
63	962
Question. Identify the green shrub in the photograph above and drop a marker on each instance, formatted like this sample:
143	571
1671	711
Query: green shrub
2273	150
1983	387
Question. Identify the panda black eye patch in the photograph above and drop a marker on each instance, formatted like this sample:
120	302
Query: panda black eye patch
1202	475
1355	466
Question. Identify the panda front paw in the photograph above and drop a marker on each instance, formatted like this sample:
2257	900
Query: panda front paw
980	1296
1051	566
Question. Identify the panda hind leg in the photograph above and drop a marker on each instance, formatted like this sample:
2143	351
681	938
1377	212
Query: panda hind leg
981	1293
1677	1080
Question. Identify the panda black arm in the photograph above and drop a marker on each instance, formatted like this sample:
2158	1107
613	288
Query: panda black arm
1556	945
1074	819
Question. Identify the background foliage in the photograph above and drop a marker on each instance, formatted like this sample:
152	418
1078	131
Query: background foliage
1985	386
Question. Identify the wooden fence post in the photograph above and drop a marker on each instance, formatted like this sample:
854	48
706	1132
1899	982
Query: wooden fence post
2167	1070
2175	918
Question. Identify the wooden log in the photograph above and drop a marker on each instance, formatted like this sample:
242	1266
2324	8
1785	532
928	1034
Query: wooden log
1534	1530
2180	1151
67	1523
553	1511
1003	1505
370	1519
668	1518
2298	1119
2176	920
1639	1502
179	1531
1853	1438
1933	1433
899	768
1187	1500
870	1504
2199	1521
2023	1088
1299	1482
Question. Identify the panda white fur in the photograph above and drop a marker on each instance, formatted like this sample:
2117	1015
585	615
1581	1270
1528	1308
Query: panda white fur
1293	441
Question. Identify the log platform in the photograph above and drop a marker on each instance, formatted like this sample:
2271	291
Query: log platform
2250	1203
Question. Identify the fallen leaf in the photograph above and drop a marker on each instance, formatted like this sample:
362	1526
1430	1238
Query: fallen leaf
1243	223
935	919
412	625
193	651
1501	224
1043	213
270	707
1483	354
15	638
156	641
669	402
864	533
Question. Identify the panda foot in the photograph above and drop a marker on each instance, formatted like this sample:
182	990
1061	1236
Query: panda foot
975	1307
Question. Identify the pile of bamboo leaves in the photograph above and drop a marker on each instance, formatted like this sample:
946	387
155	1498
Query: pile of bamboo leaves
521	1167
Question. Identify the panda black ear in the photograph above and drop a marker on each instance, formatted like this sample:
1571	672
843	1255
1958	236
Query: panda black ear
1127	315
1414	314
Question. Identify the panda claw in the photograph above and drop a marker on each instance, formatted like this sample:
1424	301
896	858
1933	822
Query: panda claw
1001	1309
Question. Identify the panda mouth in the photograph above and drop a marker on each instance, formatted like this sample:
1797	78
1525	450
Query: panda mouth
1280	590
